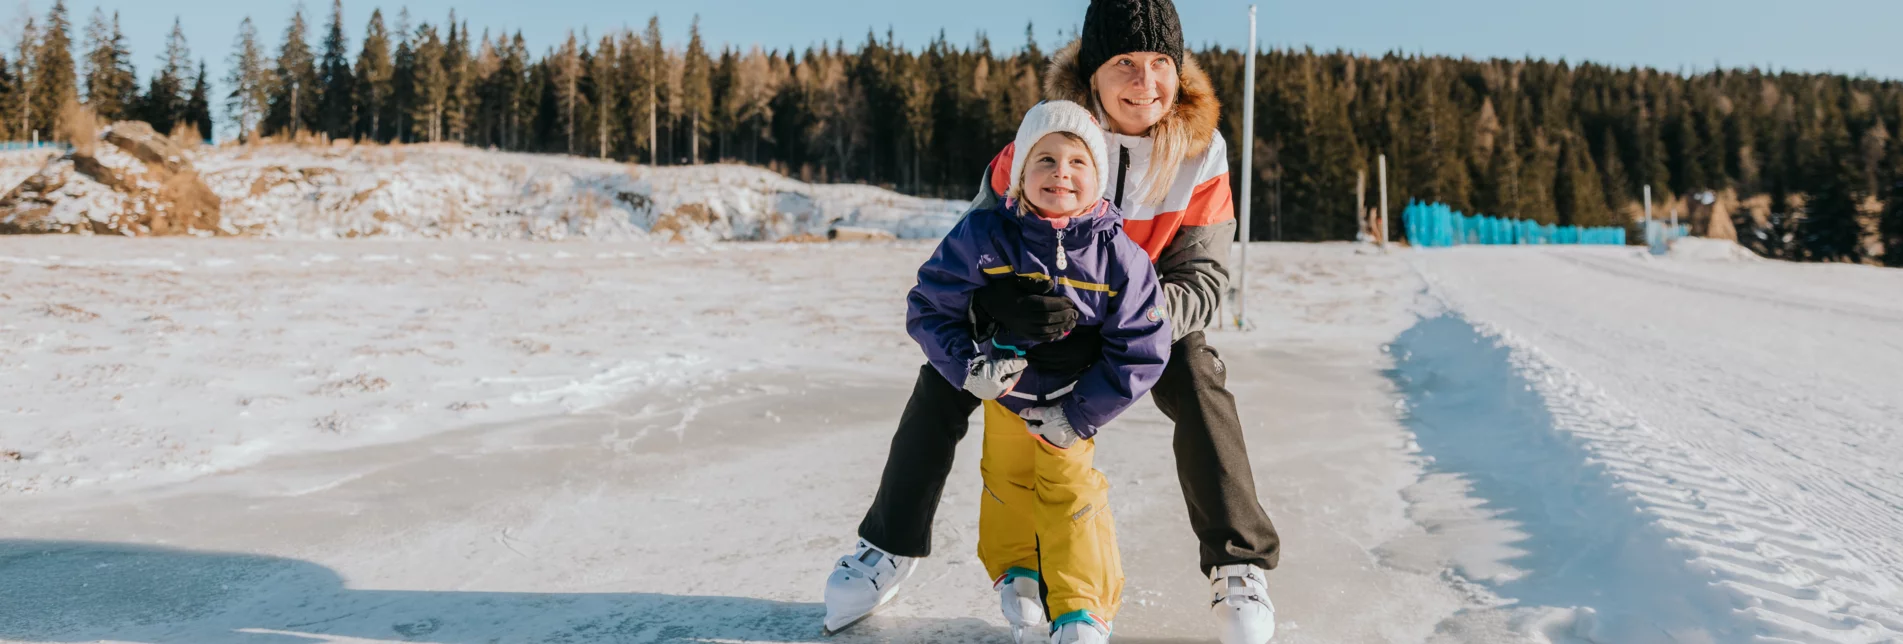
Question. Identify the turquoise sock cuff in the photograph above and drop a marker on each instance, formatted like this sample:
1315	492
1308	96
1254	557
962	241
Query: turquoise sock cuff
1078	616
1015	572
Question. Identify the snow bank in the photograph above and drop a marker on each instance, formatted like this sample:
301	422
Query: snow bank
17	165
1692	451
1721	250
447	191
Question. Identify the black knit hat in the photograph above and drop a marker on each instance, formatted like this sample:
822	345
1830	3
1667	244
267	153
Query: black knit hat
1116	27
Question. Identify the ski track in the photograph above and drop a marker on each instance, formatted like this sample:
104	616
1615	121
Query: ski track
1759	479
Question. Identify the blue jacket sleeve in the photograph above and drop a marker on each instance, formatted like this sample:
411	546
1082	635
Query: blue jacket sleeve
1136	344
938	310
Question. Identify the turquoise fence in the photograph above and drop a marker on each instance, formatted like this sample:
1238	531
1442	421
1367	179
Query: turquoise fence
10	146
1435	224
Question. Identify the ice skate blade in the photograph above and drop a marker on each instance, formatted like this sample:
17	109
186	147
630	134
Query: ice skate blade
829	631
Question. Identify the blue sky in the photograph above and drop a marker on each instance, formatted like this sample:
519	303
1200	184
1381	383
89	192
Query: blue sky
1851	36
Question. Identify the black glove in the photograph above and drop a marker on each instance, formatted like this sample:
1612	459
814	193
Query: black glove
1070	356
1025	307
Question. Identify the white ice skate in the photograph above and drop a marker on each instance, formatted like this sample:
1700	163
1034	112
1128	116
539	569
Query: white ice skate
1080	628
1023	607
862	583
1241	603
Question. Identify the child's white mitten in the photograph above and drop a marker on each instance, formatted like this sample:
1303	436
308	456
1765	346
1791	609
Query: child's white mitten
991	378
1051	424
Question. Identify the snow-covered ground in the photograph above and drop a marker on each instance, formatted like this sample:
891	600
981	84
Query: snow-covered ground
235	440
454	192
1725	462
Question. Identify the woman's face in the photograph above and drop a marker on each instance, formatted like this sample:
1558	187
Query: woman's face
1136	90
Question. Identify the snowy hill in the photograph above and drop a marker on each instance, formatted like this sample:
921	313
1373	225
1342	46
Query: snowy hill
454	192
230	440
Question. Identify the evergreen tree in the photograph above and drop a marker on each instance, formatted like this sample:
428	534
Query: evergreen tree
295	92
1890	225
21	99
636	87
249	80
655	63
696	89
602	76
456	80
1579	191
9	88
565	65
55	82
431	86
111	84
336	82
402	81
1831	229
198	104
372	76
164	103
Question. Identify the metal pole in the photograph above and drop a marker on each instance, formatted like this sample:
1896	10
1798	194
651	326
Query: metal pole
1645	231
1384	201
1248	172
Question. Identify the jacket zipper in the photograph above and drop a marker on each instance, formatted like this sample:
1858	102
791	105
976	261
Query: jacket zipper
1063	258
1123	156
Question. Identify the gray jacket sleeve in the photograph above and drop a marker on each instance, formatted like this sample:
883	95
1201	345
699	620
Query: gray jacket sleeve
1194	270
987	198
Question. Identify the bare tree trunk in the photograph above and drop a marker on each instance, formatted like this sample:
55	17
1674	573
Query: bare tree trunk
654	130
693	138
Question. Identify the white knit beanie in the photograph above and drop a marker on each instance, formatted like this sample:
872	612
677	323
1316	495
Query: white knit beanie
1060	116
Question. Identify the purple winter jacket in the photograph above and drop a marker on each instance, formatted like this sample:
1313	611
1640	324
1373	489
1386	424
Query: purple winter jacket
1108	276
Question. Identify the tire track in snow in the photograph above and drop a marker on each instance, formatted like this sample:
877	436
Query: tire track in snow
1785	580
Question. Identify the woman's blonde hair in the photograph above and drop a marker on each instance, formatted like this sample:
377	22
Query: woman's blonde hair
1169	144
1017	184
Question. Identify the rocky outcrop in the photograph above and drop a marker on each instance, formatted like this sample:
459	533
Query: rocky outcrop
132	181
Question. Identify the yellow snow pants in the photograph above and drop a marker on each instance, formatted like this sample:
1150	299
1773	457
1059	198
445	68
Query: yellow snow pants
1047	510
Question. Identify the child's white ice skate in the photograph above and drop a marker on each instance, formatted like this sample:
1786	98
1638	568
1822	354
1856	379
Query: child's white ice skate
1241	603
863	582
1023	606
1079	627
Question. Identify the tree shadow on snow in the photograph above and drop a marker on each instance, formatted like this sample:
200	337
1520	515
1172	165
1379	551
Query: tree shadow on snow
70	591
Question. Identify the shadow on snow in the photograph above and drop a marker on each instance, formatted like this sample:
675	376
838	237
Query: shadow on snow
1582	541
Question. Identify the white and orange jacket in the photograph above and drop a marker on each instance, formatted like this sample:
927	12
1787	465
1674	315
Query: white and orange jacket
1188	234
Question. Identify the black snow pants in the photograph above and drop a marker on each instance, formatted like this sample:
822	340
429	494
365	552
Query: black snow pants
1212	462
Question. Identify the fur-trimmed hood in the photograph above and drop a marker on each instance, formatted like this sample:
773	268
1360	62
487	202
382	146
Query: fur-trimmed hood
1196	106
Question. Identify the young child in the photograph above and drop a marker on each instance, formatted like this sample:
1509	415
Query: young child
1045	516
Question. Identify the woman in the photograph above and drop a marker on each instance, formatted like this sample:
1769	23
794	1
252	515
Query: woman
1170	178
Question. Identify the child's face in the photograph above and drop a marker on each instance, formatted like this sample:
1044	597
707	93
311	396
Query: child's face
1060	177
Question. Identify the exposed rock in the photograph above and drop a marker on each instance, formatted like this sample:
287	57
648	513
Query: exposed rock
141	184
851	233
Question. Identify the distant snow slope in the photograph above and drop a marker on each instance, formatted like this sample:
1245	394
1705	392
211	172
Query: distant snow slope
1748	413
448	191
